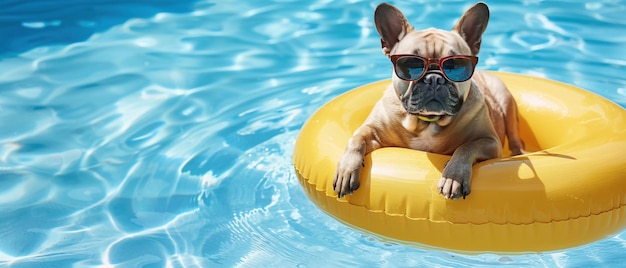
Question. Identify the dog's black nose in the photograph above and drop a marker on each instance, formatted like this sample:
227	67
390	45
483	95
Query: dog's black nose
434	79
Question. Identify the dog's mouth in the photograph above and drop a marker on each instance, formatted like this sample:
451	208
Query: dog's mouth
429	117
429	112
431	105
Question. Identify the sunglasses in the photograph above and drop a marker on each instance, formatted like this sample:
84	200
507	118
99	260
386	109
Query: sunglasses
454	68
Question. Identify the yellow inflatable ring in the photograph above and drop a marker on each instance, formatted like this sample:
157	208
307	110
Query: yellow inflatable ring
570	190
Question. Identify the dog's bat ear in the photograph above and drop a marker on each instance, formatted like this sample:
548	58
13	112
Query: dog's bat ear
391	25
472	25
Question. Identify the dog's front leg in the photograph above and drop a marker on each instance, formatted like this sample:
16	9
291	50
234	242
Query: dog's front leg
457	174
349	167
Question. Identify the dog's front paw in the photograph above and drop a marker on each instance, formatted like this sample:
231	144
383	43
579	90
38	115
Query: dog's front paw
348	173
455	181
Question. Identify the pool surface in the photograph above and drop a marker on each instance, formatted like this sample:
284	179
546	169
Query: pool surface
159	133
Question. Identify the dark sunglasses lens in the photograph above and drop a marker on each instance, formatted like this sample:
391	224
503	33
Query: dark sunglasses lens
409	68
458	69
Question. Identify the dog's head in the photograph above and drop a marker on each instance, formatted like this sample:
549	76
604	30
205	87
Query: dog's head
432	67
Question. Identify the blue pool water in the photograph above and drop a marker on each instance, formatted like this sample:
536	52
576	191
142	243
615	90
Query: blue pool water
159	133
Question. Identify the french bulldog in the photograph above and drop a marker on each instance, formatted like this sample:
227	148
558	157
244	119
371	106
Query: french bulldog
435	102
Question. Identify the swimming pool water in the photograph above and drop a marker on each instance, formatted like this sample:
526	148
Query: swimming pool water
165	137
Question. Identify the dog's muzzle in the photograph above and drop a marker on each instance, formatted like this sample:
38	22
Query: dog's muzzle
431	97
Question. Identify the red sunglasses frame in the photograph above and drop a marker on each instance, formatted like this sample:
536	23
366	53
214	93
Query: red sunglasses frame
437	61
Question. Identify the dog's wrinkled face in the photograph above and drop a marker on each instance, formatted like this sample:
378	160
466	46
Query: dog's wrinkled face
432	97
